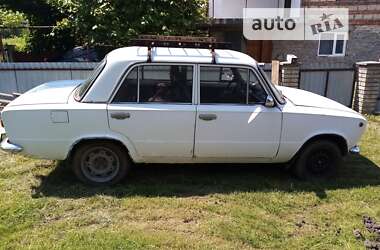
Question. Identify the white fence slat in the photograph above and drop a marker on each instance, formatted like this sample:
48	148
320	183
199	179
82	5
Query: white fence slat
8	81
80	74
28	79
20	77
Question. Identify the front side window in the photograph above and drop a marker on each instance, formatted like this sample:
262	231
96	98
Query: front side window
256	93
332	44
157	84
230	85
277	93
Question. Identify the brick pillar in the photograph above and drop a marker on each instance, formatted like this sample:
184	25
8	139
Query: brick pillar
367	87
290	73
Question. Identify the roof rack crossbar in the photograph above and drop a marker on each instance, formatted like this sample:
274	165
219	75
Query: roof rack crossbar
151	41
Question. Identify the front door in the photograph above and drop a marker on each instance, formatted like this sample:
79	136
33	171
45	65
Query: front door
232	121
154	109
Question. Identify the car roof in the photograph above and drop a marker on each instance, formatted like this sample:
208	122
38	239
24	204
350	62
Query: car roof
183	55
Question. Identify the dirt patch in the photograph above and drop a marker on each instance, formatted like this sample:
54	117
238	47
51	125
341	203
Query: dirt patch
372	242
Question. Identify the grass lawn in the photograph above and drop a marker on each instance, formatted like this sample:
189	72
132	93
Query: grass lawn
42	206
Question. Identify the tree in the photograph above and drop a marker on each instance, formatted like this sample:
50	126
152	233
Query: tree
42	13
13	35
108	22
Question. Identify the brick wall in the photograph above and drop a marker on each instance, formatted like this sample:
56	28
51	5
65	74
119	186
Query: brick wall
364	36
290	73
362	12
367	87
363	45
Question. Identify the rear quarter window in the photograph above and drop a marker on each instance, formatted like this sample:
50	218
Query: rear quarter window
86	85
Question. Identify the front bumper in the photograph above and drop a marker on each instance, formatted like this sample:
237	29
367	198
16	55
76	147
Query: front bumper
2	132
6	145
355	150
10	147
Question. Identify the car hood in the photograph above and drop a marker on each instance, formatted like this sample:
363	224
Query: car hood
307	99
56	92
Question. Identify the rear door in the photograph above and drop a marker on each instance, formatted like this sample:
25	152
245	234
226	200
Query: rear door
154	109
232	121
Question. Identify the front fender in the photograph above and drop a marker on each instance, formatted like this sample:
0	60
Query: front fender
301	124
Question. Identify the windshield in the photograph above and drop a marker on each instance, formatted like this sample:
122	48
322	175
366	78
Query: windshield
84	86
276	92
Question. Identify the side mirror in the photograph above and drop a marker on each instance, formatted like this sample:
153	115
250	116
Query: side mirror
269	102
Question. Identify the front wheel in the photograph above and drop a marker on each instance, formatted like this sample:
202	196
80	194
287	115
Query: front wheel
319	159
100	163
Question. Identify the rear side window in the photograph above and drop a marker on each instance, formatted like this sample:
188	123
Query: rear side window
157	84
230	85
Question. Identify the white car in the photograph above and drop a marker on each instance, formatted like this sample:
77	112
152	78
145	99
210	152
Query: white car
180	105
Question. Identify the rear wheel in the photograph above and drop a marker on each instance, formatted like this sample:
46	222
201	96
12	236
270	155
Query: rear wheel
319	159
100	163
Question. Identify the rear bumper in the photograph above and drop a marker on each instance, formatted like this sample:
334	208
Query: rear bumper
355	150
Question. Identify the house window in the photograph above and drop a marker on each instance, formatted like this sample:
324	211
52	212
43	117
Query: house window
332	44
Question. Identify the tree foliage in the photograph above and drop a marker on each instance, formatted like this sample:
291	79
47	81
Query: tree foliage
13	35
108	22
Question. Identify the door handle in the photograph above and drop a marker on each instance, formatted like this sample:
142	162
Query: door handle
207	117
120	115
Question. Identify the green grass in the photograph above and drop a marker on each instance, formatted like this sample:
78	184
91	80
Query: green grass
42	206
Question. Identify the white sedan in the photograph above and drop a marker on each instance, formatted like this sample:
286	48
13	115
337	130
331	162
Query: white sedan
181	106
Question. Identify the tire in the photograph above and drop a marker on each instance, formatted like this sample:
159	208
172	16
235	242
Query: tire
319	159
100	163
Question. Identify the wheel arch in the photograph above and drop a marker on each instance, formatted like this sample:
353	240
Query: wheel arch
129	149
336	138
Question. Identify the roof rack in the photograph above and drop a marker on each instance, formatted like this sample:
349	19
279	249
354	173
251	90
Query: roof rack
151	41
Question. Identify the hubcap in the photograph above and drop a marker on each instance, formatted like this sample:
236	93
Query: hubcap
100	164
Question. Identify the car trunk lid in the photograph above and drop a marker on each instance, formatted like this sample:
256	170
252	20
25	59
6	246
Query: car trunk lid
56	92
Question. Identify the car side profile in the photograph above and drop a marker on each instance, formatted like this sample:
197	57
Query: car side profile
178	105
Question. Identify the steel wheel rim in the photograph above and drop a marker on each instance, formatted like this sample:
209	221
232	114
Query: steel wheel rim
100	164
320	162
